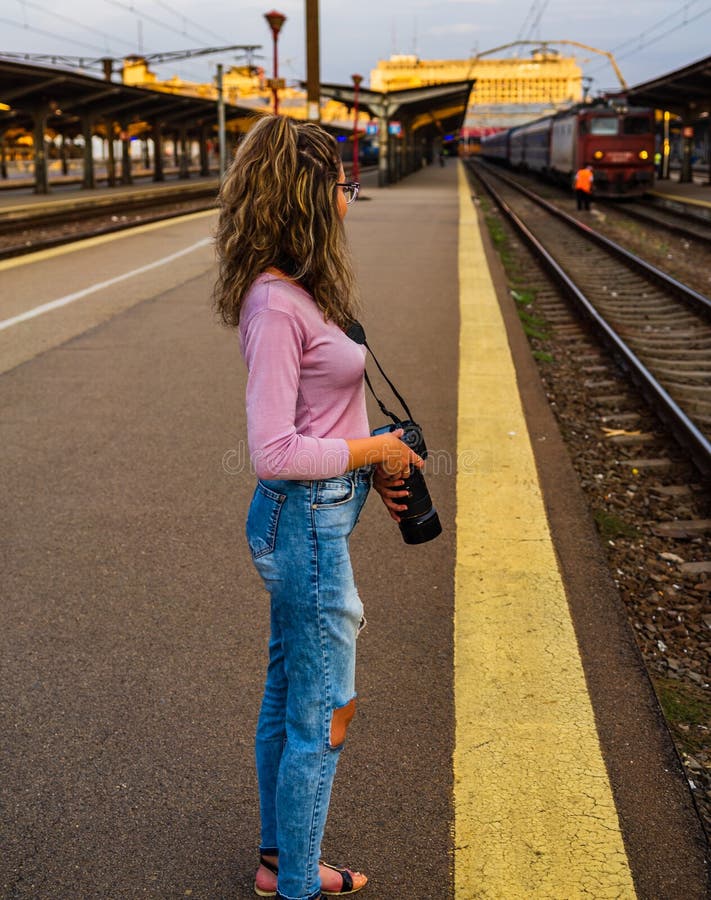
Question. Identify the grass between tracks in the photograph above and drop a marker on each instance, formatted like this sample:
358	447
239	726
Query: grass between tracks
535	327
687	709
611	526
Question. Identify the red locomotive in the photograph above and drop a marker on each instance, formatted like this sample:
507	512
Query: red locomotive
617	141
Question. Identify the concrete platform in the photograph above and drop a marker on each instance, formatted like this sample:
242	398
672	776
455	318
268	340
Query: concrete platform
694	197
134	626
20	205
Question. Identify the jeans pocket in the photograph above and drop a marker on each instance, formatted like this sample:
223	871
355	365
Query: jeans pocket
331	492
263	519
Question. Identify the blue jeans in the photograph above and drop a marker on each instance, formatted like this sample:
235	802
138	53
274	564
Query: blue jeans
298	535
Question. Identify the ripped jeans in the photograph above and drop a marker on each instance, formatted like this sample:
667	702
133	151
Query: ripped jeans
298	535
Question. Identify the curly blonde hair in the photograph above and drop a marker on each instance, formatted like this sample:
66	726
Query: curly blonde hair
278	208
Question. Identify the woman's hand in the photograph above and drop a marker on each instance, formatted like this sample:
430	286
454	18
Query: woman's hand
386	451
397	458
390	489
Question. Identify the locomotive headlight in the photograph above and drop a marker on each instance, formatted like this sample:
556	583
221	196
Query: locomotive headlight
598	154
643	154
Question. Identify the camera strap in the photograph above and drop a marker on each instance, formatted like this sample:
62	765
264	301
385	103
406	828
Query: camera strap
356	333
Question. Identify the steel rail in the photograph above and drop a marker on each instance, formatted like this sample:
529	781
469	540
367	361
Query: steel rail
680	425
60	240
696	301
645	213
100	206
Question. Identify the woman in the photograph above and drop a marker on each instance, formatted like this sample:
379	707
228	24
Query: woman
285	281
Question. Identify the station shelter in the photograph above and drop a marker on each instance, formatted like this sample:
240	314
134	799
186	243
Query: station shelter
43	100
685	93
412	124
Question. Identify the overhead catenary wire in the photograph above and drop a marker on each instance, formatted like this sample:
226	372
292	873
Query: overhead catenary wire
170	9
636	40
104	49
660	37
536	24
532	20
129	7
639	43
62	18
531	11
25	27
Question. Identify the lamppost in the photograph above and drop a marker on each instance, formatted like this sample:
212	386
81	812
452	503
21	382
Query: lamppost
275	20
356	88
221	131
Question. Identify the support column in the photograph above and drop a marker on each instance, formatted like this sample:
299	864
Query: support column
313	65
111	161
3	156
405	154
158	174
383	154
184	166
666	145
126	175
88	181
231	145
204	157
146	153
410	150
687	148
40	151
392	160
63	154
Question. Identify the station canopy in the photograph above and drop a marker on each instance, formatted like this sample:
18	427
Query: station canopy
686	92
68	96
435	108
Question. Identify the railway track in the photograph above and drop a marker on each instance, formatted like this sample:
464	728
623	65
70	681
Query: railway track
653	220
29	230
658	329
691	230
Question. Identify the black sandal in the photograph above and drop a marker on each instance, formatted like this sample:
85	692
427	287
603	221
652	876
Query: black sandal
346	880
271	867
347	876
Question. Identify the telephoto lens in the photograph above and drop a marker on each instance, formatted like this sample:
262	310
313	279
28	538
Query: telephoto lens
419	523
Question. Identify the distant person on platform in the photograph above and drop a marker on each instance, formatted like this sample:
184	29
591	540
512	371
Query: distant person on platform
583	185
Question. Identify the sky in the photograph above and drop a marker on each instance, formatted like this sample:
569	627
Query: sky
647	38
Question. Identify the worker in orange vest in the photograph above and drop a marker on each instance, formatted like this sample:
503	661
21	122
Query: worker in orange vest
583	185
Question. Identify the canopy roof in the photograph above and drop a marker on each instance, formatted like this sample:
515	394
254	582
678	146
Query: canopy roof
68	96
686	91
439	107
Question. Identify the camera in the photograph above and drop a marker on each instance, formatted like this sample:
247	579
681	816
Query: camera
419	523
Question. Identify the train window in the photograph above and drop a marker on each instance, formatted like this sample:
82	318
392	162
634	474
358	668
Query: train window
636	125
603	125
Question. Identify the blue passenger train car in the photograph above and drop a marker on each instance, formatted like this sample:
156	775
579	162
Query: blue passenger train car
617	141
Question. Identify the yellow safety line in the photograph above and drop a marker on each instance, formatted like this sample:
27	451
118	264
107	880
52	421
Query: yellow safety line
101	239
103	197
534	813
690	200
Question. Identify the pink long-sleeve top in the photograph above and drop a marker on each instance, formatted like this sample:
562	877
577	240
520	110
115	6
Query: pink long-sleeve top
305	392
